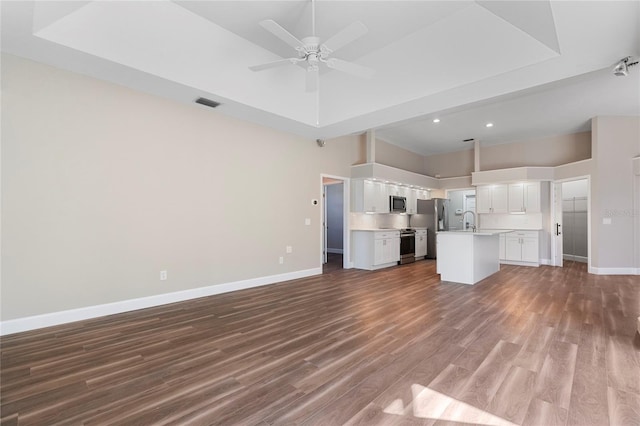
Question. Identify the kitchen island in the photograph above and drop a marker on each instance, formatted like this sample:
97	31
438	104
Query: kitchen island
468	257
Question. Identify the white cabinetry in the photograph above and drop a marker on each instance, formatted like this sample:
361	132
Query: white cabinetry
423	194
369	196
375	249
372	196
491	199
524	197
393	189
412	203
522	248
421	243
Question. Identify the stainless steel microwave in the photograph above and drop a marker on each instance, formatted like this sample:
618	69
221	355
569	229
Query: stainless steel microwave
397	204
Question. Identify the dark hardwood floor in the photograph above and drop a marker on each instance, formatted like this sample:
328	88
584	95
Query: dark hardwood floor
527	346
334	263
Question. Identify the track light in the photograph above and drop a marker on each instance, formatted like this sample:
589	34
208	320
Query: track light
622	67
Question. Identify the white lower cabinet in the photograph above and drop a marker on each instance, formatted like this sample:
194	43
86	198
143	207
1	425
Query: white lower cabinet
521	248
375	249
421	243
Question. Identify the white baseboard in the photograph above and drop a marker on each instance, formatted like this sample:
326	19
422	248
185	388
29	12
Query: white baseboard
614	271
335	250
56	318
546	262
516	263
581	259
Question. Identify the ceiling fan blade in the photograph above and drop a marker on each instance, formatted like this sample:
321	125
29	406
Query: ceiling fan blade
274	28
350	68
274	64
348	34
312	79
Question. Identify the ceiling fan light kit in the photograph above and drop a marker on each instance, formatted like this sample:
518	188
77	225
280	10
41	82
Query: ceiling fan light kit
314	53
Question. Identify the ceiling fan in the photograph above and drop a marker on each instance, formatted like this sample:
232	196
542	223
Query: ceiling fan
316	53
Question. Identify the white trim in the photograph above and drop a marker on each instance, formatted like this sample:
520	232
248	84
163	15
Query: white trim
336	251
62	317
518	263
546	262
346	224
614	271
575	258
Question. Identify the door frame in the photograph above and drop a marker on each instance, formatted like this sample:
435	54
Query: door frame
554	218
346	234
636	212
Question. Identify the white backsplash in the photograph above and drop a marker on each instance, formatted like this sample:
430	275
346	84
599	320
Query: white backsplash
511	221
378	221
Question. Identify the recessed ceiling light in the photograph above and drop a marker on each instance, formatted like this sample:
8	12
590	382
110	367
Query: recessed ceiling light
436	120
489	124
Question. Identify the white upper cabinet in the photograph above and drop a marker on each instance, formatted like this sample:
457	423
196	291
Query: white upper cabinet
524	197
423	194
491	199
369	197
412	203
393	189
512	198
372	196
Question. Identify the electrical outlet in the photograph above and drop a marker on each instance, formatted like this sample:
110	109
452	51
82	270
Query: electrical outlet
163	275
289	249
281	260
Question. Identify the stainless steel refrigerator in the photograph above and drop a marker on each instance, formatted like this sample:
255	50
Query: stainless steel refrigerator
434	215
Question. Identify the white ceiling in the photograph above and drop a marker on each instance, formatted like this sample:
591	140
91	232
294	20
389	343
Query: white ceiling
534	68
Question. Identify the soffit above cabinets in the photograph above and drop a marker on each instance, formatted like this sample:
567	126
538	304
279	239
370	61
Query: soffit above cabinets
430	57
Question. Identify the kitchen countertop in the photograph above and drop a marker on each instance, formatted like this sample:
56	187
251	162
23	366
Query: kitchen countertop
481	232
388	229
376	230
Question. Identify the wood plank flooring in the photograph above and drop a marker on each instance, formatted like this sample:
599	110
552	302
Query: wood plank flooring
527	346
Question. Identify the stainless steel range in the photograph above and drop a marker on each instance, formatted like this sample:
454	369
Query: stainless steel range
407	246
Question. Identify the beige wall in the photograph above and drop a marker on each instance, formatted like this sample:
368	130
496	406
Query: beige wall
103	187
452	164
394	156
616	141
552	151
549	152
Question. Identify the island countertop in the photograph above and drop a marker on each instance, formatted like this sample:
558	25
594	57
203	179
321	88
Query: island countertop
478	232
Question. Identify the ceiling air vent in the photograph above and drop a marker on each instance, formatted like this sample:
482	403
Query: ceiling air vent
468	140
207	102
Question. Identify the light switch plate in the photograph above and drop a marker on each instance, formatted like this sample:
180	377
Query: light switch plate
606	221
307	221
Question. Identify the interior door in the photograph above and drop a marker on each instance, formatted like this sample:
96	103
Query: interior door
556	231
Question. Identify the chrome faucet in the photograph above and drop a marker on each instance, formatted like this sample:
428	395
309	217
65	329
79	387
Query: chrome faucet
464	225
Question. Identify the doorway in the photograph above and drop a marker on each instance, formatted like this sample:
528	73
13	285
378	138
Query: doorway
460	201
636	215
570	231
334	223
574	220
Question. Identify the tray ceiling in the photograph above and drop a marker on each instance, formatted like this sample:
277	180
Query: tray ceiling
431	58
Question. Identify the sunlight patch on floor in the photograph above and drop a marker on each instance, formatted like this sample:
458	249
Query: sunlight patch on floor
430	404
